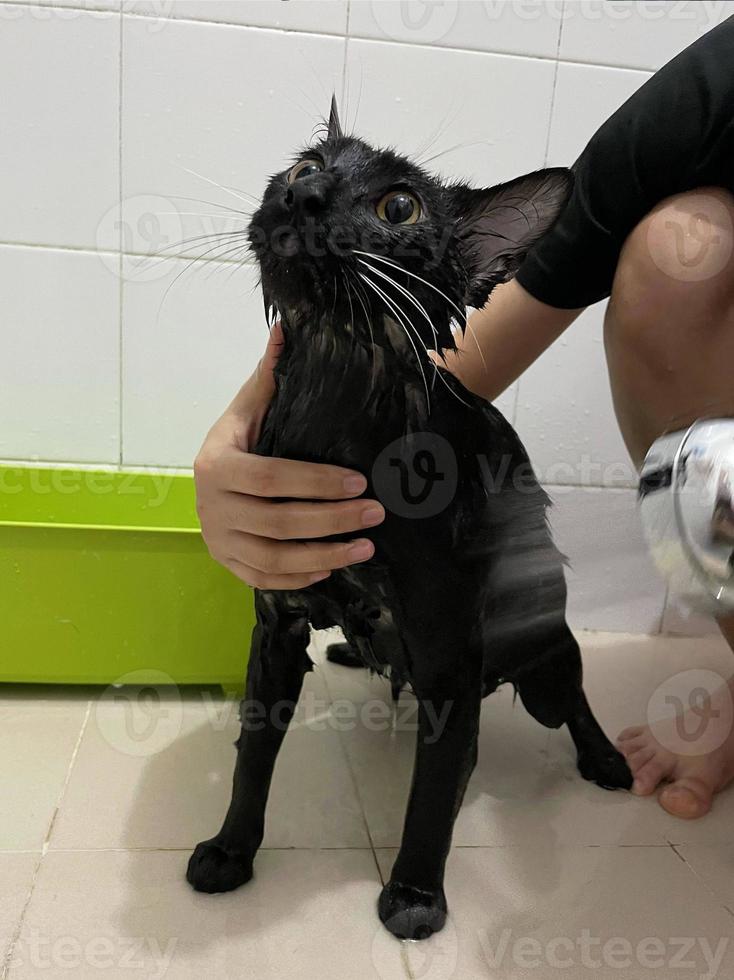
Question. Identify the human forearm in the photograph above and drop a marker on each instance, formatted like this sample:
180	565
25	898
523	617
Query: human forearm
504	338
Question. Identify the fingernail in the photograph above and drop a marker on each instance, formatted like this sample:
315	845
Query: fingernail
319	577
355	484
372	515
361	550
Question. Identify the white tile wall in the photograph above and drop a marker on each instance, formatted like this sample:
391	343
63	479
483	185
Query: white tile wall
190	337
59	370
635	35
228	88
230	103
59	78
612	582
564	412
417	107
320	16
512	28
585	96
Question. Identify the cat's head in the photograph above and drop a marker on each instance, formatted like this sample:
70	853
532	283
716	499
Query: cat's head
352	234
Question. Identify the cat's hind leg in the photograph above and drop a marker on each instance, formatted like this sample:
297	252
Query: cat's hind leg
278	663
550	686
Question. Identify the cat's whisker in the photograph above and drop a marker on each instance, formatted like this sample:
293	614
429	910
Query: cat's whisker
437	373
198	259
232	256
359	97
453	149
447	121
349	299
336	293
414	301
203	239
164	255
363	297
358	287
402	268
211	204
188	214
401	323
249	199
465	325
419	306
470	329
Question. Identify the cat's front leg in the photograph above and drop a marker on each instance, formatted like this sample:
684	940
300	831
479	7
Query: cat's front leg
412	904
278	663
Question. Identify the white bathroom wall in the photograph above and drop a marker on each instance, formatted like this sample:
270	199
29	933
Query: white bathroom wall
129	125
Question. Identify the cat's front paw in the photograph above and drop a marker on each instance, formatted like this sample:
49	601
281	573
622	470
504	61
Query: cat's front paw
411	913
213	868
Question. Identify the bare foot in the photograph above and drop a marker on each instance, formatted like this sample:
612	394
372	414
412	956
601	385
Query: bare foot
692	752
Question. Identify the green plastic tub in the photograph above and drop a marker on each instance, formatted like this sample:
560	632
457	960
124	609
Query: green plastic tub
105	573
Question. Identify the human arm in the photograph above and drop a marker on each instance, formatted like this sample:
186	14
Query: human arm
262	517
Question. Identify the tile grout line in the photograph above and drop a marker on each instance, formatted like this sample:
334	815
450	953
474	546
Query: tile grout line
62	794
555	84
346	54
83	250
518	383
132	15
707	886
355	787
186	849
50	5
387	40
7	961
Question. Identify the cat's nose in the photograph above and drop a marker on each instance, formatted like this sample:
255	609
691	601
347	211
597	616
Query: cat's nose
308	196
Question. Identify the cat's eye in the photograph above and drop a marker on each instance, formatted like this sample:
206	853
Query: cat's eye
399	208
304	169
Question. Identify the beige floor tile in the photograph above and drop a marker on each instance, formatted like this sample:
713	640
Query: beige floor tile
623	672
36	749
714	865
132	915
601	912
525	784
526	781
16	875
159	775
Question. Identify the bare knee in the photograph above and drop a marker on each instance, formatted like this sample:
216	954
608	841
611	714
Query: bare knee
669	328
678	262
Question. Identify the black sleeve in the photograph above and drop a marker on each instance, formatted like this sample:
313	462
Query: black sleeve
674	134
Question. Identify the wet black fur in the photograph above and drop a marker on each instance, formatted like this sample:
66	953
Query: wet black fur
453	603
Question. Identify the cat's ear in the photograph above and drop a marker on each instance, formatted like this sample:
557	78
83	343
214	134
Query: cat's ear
335	127
496	227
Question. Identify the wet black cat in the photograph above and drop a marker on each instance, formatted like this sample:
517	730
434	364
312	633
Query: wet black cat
368	261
